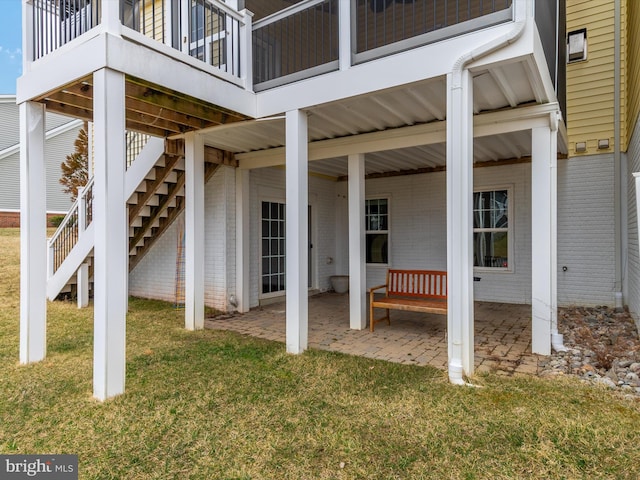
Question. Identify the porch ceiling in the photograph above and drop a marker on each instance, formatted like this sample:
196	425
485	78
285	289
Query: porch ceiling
504	86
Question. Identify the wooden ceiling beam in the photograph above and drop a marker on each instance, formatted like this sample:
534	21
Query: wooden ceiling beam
176	103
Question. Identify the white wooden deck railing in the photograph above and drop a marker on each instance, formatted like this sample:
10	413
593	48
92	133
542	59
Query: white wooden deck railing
208	30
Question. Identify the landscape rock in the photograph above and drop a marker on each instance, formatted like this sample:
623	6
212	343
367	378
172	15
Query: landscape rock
603	348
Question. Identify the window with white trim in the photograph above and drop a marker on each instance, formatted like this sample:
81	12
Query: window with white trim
491	229
273	248
377	230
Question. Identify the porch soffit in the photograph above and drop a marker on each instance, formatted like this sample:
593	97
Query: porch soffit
400	130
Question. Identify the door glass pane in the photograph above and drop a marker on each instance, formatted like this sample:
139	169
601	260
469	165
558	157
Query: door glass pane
273	247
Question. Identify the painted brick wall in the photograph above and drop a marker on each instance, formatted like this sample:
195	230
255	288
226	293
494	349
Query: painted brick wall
633	254
419	232
585	231
220	238
154	276
269	184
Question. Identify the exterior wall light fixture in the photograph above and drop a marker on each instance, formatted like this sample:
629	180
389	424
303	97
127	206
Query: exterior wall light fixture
581	147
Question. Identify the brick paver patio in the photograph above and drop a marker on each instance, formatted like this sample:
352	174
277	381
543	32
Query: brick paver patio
502	334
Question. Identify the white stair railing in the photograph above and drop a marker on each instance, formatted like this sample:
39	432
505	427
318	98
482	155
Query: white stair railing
75	222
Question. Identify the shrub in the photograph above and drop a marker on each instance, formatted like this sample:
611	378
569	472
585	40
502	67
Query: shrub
56	220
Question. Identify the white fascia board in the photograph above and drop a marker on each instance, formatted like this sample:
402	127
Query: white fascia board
84	56
75	60
430	61
170	72
494	123
50	134
7	99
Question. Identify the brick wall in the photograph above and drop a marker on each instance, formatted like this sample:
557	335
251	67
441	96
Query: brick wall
586	240
12	219
9	219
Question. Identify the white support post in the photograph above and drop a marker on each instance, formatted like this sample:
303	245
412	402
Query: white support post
243	253
345	30
460	224
111	17
185	38
111	228
246	53
297	153
543	242
194	231
357	261
33	234
27	37
82	276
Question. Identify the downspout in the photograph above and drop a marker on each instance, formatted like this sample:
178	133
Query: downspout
455	364
617	170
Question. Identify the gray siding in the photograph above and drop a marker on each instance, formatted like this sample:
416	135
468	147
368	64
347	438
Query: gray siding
56	149
586	244
633	253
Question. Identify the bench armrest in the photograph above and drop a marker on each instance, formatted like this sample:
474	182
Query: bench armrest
371	290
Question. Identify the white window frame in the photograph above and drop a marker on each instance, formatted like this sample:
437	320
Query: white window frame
510	268
387	231
278	293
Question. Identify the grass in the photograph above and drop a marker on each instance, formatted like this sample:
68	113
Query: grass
217	405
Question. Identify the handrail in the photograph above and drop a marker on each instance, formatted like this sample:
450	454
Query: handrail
76	221
285	12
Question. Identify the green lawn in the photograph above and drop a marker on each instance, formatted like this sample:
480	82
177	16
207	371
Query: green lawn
217	405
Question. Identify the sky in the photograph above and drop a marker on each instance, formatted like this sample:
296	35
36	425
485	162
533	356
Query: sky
10	45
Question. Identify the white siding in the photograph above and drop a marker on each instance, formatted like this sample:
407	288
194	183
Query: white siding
633	254
56	150
10	121
10	182
586	231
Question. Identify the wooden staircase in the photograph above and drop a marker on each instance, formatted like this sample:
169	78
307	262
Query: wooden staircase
156	201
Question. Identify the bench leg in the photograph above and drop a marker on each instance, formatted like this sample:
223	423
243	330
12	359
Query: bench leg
373	321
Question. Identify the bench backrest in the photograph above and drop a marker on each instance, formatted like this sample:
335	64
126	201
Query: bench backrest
417	283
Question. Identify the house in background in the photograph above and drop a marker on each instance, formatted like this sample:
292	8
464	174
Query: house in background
279	143
603	108
61	133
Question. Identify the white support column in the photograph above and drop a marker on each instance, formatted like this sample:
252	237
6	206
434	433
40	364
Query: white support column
460	224
246	55
357	261
194	231
33	234
344	34
543	241
297	154
111	228
243	254
110	19
27	38
82	276
184	26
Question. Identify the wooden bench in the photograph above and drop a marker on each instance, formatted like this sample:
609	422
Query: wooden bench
410	290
